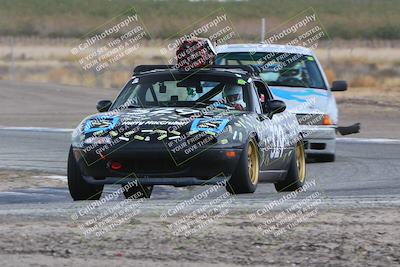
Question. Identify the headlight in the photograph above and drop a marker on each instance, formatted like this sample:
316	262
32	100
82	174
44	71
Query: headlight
106	140
77	137
91	126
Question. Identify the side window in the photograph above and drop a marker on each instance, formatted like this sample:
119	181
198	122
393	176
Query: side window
149	96
255	99
263	92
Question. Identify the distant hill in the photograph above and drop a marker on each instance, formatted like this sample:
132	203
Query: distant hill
347	19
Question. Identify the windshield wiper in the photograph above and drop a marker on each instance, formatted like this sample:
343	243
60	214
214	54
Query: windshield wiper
224	106
219	105
135	106
201	104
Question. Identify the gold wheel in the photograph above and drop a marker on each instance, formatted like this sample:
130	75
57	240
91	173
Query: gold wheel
301	162
252	162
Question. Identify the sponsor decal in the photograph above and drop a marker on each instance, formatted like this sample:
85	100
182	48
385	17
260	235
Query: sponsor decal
100	124
209	125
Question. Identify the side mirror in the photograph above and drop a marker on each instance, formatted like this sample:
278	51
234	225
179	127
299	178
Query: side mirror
272	107
103	105
163	88
339	86
199	90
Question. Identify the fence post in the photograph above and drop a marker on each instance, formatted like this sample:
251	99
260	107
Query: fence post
12	58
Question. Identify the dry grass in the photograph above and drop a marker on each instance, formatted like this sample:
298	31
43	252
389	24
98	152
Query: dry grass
56	64
362	66
49	61
363	81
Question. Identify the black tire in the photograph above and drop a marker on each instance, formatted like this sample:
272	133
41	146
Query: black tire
133	192
78	187
325	158
295	177
242	181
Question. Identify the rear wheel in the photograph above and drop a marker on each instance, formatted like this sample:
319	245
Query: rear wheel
78	187
296	174
245	177
136	192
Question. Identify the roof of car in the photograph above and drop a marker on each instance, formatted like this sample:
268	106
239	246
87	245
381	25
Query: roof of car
231	71
262	47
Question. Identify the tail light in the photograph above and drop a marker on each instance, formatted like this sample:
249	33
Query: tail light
115	166
326	120
314	119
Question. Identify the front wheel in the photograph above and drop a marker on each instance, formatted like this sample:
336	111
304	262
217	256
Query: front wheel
78	187
245	178
296	174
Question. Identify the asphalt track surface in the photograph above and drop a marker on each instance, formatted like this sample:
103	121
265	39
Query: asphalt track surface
365	171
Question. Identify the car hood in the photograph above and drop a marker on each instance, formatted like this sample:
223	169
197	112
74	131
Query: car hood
182	132
155	124
302	100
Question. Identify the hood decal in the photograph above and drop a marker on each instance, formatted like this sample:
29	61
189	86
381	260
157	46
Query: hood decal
158	124
209	125
295	95
102	123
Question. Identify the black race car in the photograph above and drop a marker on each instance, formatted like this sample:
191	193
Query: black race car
174	127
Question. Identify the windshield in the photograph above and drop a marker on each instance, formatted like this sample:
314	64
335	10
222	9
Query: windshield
195	90
279	69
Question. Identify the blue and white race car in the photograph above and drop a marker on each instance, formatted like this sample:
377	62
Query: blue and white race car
295	76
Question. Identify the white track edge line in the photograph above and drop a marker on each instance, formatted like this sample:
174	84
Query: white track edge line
37	129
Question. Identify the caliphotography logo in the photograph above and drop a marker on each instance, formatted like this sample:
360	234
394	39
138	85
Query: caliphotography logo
120	37
199	212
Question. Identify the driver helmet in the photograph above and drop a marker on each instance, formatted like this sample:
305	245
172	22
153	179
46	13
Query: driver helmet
234	96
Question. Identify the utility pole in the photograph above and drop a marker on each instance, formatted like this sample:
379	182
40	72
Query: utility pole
262	30
12	65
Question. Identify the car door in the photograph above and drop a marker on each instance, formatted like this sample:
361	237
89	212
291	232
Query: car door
275	134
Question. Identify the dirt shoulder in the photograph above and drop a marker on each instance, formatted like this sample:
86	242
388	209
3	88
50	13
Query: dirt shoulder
11	180
347	237
49	235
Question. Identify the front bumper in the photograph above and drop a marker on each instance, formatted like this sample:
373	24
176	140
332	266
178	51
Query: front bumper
319	139
155	167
